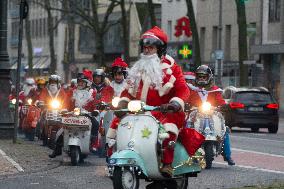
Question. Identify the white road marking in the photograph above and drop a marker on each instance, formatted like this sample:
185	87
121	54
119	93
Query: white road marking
254	138
256	152
251	167
15	164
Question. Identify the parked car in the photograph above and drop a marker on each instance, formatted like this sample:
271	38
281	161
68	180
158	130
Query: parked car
251	108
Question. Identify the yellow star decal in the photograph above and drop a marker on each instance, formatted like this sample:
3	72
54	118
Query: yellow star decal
146	133
185	51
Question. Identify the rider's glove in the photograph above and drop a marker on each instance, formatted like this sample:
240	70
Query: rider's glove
172	107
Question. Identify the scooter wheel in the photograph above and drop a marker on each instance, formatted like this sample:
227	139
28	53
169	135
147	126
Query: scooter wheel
75	155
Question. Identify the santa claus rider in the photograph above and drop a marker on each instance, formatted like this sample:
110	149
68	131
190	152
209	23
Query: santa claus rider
119	73
102	87
158	81
83	97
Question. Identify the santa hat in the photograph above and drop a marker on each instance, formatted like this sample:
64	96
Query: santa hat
189	75
88	74
118	62
157	33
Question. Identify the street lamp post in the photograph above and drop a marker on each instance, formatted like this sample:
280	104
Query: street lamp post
219	78
6	122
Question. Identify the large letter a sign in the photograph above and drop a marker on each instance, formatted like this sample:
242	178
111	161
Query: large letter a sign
183	25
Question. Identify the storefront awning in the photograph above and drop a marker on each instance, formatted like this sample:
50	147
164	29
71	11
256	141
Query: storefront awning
267	49
43	63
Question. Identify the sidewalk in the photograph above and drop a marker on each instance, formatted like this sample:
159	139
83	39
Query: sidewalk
30	156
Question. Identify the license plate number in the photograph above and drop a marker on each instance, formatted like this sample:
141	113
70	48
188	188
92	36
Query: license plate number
255	109
75	121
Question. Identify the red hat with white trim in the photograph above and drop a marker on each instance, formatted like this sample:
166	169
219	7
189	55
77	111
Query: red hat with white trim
157	33
118	62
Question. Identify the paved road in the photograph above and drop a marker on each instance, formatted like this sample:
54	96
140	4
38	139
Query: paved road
259	158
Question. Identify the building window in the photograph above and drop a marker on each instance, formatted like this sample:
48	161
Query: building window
228	42
202	42
274	10
214	38
169	30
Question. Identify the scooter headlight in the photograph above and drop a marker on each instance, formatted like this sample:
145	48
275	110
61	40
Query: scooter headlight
30	101
205	107
134	106
115	101
77	111
55	104
112	161
13	101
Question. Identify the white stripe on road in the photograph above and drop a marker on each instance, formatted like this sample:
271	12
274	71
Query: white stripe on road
15	164
255	152
253	138
251	167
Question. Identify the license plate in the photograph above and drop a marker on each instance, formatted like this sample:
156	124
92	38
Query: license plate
75	121
255	109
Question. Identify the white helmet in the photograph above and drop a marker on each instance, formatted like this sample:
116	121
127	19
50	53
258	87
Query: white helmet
30	81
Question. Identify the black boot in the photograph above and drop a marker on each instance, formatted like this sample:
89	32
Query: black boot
229	160
56	152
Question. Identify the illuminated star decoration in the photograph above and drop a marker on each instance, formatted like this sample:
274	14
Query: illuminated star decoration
146	133
185	51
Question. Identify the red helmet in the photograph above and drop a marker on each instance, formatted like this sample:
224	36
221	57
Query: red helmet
119	66
156	37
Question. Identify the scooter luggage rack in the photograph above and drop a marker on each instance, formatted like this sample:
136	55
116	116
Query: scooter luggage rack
53	116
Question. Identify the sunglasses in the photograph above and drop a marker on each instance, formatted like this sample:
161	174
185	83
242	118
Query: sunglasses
202	76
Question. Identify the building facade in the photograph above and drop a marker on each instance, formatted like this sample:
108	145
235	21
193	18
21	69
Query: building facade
271	47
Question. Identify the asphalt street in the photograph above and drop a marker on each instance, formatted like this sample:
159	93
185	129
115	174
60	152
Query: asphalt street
259	161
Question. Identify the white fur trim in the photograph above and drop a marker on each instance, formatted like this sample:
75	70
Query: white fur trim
169	71
178	100
151	34
168	86
124	99
111	133
145	89
170	127
170	59
163	136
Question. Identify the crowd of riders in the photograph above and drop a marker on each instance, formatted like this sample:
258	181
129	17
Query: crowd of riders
166	88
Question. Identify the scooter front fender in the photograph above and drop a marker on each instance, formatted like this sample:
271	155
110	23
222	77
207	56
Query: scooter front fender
127	158
74	141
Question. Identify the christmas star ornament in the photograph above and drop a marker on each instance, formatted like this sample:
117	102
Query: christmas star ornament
146	133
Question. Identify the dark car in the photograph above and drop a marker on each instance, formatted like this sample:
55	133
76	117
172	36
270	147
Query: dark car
251	108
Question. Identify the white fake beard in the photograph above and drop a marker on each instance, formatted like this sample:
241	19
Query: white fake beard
81	97
148	66
118	87
53	89
27	89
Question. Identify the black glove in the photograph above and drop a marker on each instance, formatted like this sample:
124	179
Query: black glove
121	105
170	107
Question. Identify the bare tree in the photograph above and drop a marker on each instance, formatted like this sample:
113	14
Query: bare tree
151	9
243	49
195	37
29	45
125	29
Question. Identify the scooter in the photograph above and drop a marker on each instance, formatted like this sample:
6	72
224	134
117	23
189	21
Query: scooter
76	128
209	121
139	148
49	122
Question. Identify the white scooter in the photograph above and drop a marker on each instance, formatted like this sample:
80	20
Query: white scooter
77	134
138	156
208	121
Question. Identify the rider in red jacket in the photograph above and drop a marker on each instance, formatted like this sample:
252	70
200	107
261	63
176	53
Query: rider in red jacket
205	89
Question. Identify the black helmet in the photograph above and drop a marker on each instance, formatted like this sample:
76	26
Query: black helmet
161	46
205	71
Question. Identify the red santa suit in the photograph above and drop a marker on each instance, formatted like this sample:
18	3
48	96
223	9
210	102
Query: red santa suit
104	94
84	99
173	88
46	96
196	95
